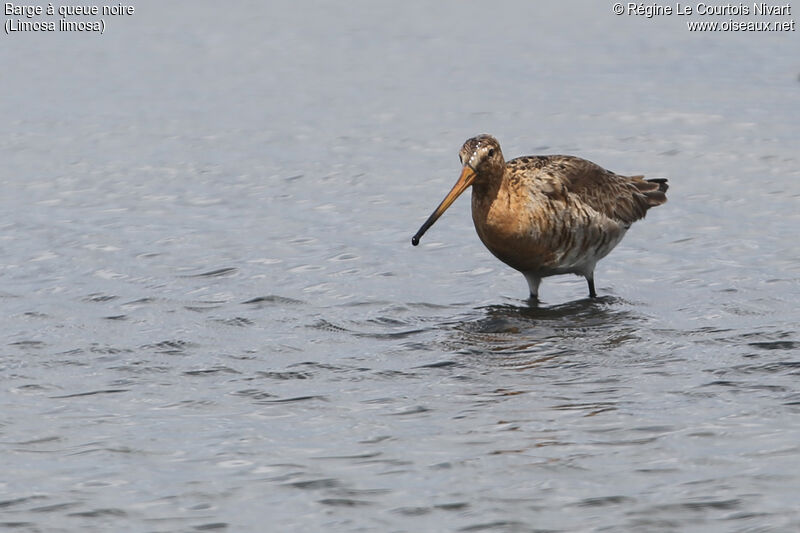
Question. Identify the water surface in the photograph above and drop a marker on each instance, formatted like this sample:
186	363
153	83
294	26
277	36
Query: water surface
214	319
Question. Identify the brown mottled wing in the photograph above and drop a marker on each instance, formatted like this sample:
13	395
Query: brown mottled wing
623	198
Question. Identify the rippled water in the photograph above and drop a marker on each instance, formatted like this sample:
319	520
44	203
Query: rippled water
213	318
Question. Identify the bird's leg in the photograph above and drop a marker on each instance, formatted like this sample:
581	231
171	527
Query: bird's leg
533	285
590	281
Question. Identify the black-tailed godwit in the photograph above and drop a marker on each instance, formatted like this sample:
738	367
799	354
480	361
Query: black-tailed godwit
547	215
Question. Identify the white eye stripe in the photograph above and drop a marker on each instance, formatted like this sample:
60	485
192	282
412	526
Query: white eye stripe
474	157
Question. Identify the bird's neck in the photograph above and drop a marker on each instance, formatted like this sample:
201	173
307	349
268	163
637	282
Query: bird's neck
487	186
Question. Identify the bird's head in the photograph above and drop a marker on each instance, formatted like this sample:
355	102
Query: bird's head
481	160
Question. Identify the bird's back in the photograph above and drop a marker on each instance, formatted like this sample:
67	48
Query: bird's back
622	198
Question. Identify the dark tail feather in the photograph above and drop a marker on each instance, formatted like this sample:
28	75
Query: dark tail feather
653	190
662	183
657	196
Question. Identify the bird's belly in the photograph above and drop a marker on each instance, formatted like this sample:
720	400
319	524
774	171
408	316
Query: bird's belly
549	243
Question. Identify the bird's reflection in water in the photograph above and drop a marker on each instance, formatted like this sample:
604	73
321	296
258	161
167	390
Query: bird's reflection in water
525	335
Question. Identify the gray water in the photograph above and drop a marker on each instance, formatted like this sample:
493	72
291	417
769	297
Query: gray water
213	318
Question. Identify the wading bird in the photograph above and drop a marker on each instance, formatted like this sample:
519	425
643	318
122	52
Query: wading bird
547	215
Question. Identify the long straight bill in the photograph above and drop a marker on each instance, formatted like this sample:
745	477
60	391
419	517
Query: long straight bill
464	181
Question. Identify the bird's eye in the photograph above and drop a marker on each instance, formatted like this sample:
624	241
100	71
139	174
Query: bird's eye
490	153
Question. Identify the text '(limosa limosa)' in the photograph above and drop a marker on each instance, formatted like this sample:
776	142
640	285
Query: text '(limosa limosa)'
547	215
